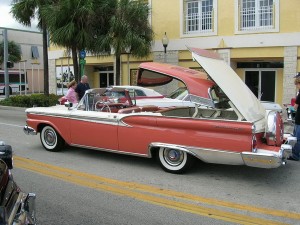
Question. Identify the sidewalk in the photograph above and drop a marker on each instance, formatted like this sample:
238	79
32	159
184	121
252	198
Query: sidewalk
2	107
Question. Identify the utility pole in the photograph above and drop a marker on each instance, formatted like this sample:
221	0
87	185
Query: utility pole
6	78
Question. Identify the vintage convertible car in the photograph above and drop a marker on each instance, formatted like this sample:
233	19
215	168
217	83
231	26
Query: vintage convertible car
16	207
225	125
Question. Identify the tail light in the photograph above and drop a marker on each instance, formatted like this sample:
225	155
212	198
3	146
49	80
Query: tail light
274	129
254	143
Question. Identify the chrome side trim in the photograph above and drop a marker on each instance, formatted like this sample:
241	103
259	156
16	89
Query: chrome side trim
205	154
261	159
94	119
114	119
110	150
29	130
111	121
48	114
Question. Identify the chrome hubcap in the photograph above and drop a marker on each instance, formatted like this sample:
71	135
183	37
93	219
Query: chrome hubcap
173	157
50	137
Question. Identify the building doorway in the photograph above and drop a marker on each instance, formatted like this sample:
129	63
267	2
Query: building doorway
262	83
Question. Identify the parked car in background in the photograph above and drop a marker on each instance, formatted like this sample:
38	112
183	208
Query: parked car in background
142	96
16	207
224	125
136	92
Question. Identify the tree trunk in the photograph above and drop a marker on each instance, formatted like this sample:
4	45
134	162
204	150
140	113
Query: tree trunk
45	59
75	63
118	69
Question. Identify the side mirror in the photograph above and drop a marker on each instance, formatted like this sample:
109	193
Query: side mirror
6	154
68	104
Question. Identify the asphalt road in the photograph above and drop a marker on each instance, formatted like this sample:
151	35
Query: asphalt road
79	186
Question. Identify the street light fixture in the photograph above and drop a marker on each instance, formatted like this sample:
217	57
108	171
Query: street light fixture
165	41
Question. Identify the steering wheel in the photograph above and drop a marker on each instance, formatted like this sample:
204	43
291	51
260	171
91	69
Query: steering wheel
104	105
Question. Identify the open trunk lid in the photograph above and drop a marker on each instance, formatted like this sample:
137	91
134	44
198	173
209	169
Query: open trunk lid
231	84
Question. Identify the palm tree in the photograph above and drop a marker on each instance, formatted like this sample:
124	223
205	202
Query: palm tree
75	24
24	11
129	29
14	52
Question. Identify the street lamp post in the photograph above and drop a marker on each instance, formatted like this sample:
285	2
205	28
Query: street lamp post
5	59
165	42
127	50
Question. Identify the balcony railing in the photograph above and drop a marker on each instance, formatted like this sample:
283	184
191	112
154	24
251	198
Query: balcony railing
257	18
199	23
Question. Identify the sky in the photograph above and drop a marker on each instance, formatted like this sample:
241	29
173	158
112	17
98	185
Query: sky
6	19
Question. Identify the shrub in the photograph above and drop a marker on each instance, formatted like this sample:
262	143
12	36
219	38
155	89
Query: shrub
26	101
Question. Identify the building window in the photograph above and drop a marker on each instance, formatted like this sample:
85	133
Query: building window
198	16
34	52
258	15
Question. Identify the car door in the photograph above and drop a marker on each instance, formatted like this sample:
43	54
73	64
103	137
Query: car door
94	129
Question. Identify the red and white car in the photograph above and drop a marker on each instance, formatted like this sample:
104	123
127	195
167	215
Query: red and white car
135	93
225	125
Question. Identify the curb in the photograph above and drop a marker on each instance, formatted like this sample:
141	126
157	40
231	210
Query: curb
2	107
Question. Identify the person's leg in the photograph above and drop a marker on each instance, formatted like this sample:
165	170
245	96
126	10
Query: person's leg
296	149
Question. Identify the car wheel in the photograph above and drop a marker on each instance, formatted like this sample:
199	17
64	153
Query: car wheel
51	140
174	160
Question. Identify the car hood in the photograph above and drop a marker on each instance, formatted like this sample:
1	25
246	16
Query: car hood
52	110
230	83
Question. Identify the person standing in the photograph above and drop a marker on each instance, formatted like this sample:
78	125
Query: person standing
296	149
82	87
71	95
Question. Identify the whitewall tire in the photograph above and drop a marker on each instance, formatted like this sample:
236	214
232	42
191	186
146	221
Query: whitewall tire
51	140
174	160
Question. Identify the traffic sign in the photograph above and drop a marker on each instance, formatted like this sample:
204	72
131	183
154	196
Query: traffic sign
82	54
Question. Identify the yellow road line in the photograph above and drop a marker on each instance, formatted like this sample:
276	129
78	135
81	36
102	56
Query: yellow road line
151	189
101	183
191	208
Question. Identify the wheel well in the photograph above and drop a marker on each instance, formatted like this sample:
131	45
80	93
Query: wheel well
153	152
41	126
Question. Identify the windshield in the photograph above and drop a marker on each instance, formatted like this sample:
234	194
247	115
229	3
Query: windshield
179	93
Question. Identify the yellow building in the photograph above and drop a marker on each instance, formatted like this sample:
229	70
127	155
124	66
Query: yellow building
260	39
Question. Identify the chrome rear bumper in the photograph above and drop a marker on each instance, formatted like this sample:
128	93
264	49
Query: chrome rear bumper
29	130
268	159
